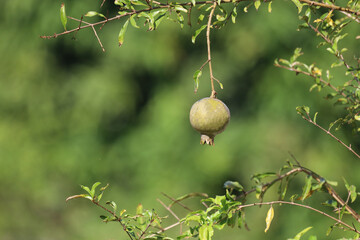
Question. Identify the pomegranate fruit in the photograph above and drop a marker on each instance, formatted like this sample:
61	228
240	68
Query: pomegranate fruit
209	116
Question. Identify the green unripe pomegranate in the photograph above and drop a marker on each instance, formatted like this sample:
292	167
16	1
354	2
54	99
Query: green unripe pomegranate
209	116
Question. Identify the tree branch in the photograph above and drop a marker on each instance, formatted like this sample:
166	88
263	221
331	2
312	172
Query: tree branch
332	135
303	206
213	92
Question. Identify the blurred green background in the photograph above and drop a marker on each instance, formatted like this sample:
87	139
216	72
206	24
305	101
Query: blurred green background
71	114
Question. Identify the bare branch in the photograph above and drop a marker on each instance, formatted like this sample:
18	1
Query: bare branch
308	118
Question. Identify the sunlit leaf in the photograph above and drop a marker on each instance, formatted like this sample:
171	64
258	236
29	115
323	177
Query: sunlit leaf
206	232
93	13
133	21
76	196
180	8
234	15
306	188
196	77
122	33
269	7
197	32
63	17
298	5
93	188
269	218
300	234
257	4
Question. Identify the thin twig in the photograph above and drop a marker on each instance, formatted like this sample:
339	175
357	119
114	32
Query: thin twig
326	83
172	213
147	228
303	206
332	135
93	28
114	214
213	92
334	7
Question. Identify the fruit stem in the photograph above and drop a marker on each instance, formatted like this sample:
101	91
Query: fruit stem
213	92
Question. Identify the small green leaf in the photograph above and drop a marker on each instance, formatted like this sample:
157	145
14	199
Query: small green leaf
234	15
257	4
180	8
269	218
206	232
197	32
122	33
86	189
193	2
353	193
63	17
329	230
269	7
306	188
133	21
76	196
201	18
112	204
93	189
93	13
300	234
298	5
233	185
314	120
196	77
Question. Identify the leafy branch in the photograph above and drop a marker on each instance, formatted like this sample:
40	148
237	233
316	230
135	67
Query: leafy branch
228	209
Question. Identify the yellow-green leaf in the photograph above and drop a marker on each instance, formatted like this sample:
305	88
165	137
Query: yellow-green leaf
257	4
269	218
63	17
122	33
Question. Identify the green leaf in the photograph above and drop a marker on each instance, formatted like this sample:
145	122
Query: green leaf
93	188
180	19
233	185
180	8
201	18
93	13
329	230
300	234
234	15
306	188
77	196
122	33
63	17
196	77
269	7
133	21
314	120
353	193
298	5
86	189
193	2
112	204
206	232
197	32
257	4
269	218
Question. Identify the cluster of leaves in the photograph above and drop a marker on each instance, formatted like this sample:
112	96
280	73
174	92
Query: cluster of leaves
144	224
330	26
229	209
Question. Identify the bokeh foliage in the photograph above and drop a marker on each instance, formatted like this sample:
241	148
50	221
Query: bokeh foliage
71	114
